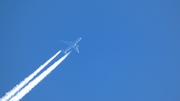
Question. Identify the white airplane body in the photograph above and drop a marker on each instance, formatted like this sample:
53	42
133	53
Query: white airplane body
72	45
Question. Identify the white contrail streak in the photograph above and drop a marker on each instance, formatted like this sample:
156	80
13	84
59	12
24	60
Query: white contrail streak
38	79
26	80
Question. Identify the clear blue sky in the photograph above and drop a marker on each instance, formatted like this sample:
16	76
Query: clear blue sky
130	49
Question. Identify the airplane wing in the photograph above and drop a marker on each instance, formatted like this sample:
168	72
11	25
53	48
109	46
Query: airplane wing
68	43
76	48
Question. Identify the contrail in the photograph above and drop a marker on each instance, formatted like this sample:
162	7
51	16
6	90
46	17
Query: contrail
38	79
26	80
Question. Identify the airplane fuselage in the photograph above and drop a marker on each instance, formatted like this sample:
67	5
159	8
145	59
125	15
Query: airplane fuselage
73	45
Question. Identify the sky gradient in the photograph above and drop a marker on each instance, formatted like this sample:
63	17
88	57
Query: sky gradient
129	49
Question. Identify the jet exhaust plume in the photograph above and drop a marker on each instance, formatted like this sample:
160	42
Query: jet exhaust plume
12	92
38	79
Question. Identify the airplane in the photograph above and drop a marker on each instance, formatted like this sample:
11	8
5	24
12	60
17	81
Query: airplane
72	45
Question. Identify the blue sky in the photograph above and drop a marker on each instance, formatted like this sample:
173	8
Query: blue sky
129	51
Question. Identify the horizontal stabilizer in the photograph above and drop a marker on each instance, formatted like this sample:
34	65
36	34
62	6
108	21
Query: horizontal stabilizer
68	43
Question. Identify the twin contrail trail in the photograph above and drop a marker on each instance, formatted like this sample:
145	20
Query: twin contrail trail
10	95
26	80
38	79
23	87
